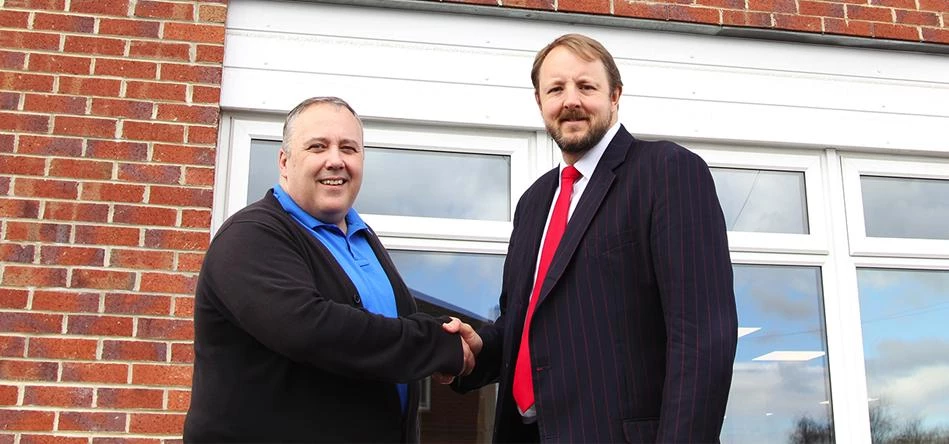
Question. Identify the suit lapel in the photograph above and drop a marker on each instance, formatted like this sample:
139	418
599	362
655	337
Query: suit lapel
587	207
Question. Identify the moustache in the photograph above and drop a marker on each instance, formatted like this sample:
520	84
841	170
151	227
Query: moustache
572	114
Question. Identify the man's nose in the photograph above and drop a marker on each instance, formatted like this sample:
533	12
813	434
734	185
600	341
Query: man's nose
571	98
334	159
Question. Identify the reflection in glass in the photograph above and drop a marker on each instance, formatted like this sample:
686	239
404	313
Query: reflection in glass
780	388
436	184
761	200
263	172
905	207
468	283
906	348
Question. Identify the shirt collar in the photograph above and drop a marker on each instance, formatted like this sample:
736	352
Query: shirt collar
587	163
354	222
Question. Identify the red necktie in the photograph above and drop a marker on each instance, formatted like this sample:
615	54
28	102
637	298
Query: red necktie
523	382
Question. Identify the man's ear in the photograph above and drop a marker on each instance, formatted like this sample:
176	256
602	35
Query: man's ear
614	97
537	98
282	158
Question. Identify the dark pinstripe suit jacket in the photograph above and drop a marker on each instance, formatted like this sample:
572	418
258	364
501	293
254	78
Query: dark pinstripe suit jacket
634	336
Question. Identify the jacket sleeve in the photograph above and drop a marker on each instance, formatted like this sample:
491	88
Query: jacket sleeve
263	284
694	273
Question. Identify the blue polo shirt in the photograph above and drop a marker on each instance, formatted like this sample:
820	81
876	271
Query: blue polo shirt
354	254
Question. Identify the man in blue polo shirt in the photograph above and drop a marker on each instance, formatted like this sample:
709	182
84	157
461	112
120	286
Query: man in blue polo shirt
304	330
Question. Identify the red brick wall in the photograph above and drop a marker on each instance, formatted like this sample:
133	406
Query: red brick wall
108	123
911	20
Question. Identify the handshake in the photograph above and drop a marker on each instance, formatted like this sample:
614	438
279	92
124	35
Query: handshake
470	343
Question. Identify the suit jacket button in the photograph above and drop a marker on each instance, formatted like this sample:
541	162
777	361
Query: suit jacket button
357	299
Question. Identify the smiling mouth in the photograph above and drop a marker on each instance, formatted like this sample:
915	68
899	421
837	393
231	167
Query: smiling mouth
333	182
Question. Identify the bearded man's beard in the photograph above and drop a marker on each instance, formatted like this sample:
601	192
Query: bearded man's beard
596	132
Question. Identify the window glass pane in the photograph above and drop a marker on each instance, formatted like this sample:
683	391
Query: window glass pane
906	347
468	283
263	169
780	388
761	200
436	184
905	208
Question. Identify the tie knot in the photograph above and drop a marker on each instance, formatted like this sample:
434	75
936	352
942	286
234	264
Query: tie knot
569	175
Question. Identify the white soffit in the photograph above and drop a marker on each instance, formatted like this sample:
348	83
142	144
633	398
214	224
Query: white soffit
460	69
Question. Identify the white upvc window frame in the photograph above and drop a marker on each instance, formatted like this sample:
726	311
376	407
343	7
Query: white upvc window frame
808	163
855	165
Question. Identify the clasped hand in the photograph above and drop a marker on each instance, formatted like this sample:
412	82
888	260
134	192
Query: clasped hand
470	343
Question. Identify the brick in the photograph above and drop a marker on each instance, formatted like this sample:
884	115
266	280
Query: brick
89	86
38	232
785	6
824	9
134	351
6	146
209	54
181	196
164	10
28	40
106	235
179	400
798	23
869	13
140	304
199	176
168	283
886	30
16	322
58	396
194	32
155	91
917	18
905	4
164	423
162	375
9	395
22	165
19	208
212	13
102	279
17	276
141	259
13	298
530	4
129	28
56	104
14	19
98	440
160	50
61	348
133	109
584	6
80	169
111	7
723	4
76	211
933	5
84	126
51	439
207	115
12	346
55	5
65	301
113	192
936	35
99	325
94	45
846	27
127	69
26	420
182	353
56	63
161	132
150	173
184	306
12	60
183	155
176	239
4	182
48	188
144	215
191	73
16	253
63	22
95	372
63	255
9	101
196	218
110	149
206	94
18	122
169	329
28	370
21	81
131	398
93	421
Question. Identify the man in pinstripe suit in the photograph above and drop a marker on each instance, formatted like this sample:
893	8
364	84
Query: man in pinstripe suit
632	327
